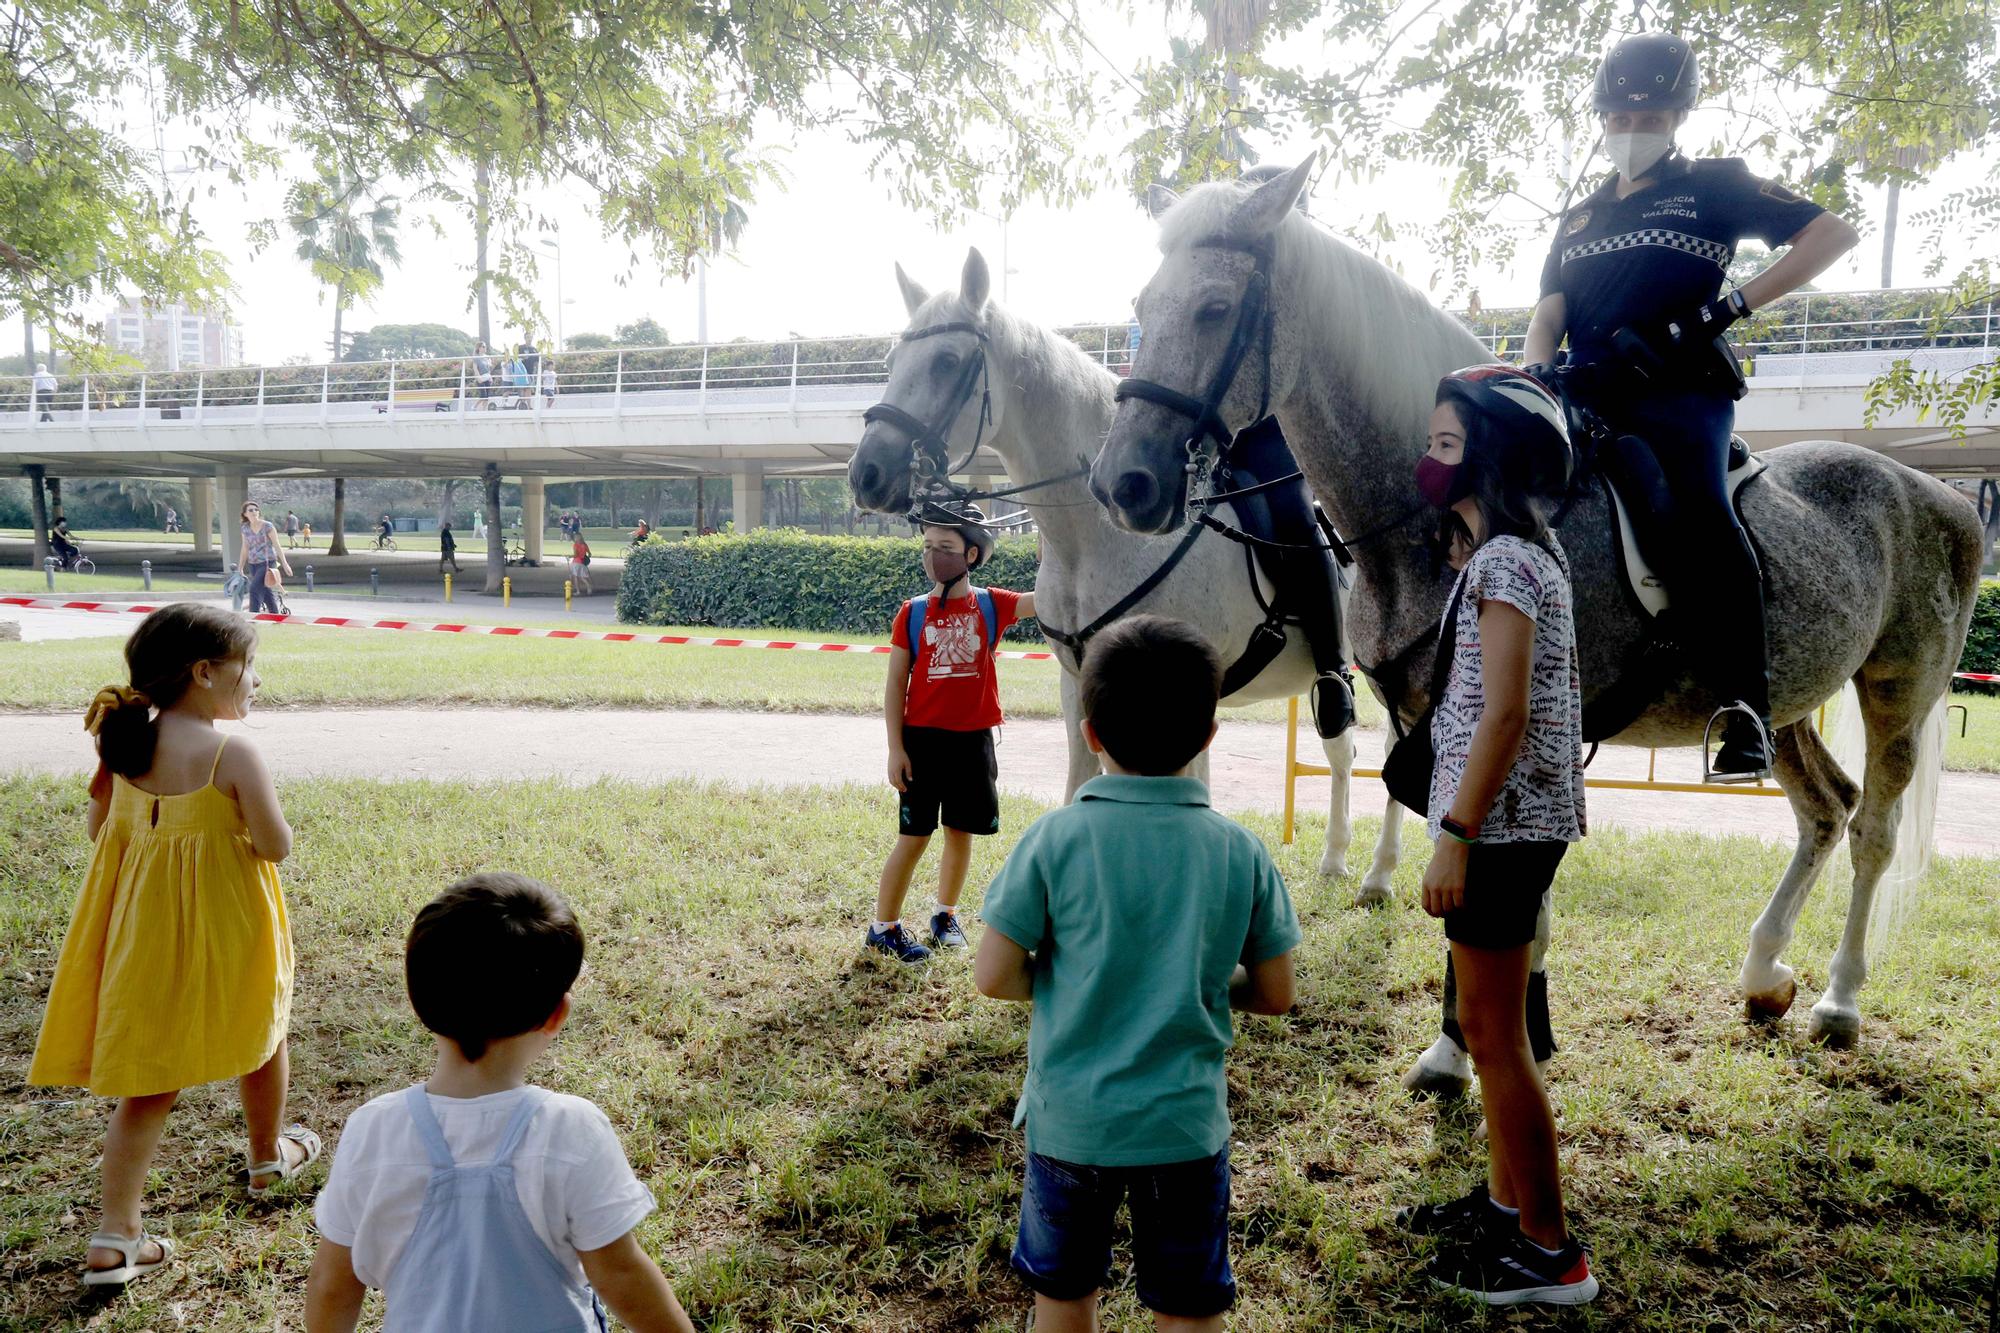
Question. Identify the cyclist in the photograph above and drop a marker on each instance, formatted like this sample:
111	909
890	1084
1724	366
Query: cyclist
1634	279
385	532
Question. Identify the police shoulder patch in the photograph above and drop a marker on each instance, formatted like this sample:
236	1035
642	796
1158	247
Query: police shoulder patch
1577	222
1778	191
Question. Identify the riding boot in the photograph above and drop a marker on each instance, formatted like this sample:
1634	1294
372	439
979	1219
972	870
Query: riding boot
1743	672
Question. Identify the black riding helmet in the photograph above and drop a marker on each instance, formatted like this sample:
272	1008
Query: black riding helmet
965	518
1647	71
1526	415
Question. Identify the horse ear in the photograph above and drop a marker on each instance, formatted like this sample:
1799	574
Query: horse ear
914	296
1266	206
975	284
1159	199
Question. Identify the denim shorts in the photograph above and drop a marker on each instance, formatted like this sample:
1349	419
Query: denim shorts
1180	1231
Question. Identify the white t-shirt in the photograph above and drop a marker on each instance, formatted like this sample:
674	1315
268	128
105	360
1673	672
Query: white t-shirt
576	1187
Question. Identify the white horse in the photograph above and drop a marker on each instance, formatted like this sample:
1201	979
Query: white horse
1050	405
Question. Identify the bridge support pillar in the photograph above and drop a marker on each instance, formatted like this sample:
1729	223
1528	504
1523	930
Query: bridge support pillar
534	516
746	496
234	490
201	513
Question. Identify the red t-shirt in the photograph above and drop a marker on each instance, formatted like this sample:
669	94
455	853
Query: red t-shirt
952	682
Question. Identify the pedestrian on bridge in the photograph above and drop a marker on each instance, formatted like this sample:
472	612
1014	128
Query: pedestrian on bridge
45	389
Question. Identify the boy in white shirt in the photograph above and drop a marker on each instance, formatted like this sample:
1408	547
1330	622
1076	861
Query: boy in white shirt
476	1202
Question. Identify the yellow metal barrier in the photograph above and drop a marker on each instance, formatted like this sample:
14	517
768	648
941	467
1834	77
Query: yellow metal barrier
568	587
506	590
1294	770
447	587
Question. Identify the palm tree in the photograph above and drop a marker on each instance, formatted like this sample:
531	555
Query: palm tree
721	228
1232	28
345	235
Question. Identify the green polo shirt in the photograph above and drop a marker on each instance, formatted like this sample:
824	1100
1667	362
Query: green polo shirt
1137	902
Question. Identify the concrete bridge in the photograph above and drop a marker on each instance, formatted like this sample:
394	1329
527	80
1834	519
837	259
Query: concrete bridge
746	411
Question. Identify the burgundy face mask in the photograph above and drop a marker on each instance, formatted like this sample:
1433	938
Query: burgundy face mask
1438	482
946	567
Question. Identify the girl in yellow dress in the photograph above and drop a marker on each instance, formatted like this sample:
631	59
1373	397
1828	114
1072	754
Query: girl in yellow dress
177	969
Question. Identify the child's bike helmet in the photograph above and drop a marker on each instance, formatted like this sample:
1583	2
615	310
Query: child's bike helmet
1524	414
963	517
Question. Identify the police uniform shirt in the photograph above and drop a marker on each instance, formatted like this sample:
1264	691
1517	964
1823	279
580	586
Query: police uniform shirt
1663	249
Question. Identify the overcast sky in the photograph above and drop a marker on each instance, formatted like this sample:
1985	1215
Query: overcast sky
817	257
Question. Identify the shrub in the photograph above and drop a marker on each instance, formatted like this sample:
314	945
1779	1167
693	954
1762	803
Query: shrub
1982	641
783	577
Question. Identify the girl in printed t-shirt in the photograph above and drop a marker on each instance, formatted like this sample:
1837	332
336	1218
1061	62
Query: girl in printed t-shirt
1506	801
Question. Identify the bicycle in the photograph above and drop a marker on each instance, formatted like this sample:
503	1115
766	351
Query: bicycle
385	543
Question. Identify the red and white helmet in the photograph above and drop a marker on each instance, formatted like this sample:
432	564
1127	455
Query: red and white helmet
1528	421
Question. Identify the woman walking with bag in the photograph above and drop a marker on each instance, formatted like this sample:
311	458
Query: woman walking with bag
262	558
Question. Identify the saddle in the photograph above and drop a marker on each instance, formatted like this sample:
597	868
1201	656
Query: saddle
1642	510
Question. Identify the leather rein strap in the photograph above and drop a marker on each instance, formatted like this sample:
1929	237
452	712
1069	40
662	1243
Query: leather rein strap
929	441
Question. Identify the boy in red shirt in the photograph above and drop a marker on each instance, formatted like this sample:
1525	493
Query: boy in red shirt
941	705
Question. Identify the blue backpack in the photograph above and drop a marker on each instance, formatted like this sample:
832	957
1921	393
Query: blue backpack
987	612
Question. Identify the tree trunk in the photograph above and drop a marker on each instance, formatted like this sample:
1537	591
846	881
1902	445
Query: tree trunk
496	532
611	501
55	500
338	544
40	505
339	306
28	340
653	505
700	486
482	225
1890	207
444	502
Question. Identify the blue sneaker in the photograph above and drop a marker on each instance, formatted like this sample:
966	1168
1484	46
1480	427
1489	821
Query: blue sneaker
896	942
945	931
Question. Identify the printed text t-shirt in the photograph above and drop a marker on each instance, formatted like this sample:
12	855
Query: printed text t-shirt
952	682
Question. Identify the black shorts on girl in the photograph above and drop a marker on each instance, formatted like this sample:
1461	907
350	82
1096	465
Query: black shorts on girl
954	780
1504	882
1180	1232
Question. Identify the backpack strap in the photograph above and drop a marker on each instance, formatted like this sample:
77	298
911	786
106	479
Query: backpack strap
916	628
988	612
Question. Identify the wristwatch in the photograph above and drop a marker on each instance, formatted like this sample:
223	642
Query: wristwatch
1451	828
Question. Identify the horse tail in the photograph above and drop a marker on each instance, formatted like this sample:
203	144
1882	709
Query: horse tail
1916	817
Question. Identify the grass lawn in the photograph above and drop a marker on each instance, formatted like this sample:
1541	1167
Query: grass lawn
304	666
828	1135
15	579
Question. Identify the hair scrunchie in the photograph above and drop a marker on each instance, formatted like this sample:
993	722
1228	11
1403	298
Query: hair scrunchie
109	699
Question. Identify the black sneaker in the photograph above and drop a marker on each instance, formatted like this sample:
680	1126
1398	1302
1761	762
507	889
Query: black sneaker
1506	1268
1460	1219
945	931
896	942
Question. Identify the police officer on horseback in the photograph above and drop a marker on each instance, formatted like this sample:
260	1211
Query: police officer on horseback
1634	279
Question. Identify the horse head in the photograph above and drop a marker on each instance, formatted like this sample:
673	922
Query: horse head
940	402
1206	367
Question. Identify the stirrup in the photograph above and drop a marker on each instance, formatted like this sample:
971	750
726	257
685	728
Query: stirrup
1332	700
1709	774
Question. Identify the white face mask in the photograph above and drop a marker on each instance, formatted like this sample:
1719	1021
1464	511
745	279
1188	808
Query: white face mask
1635	154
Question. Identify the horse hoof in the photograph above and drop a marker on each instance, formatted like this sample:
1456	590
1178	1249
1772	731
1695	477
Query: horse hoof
1372	895
1771	1002
1333	867
1835	1028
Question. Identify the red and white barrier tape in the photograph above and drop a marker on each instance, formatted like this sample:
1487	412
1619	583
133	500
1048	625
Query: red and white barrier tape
510	631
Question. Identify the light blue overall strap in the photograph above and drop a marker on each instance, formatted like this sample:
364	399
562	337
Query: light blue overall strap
532	1101
428	1129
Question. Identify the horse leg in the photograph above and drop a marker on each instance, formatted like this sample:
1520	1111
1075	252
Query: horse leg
1339	832
1375	889
1822	798
1892	725
1083	764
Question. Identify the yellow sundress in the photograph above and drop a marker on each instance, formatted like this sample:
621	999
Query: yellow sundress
177	969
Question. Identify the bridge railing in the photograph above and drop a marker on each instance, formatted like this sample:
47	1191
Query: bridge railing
1826	333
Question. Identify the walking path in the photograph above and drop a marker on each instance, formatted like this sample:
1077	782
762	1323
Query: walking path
789	749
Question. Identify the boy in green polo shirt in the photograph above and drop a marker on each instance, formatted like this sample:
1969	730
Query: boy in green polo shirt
1135	920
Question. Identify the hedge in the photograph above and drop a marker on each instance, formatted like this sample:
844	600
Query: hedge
1982	642
783	577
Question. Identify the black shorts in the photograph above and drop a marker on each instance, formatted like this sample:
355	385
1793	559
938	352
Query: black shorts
1504	883
953	773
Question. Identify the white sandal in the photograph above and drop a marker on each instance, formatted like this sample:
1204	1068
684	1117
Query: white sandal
129	1249
282	1169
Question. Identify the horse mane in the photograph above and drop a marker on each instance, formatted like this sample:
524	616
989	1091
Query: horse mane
1382	328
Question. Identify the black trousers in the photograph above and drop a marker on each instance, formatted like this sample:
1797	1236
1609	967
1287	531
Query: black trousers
1712	572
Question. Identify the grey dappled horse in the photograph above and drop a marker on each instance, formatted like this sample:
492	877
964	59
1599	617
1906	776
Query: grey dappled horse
1870	568
1049	406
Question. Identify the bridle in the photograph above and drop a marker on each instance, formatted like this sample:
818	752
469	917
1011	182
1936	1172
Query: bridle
930	450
